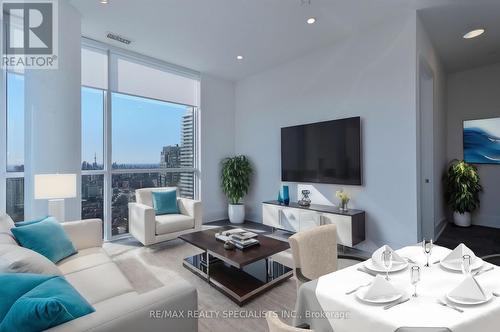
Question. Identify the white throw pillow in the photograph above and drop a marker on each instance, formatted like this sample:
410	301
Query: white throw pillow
16	259
6	224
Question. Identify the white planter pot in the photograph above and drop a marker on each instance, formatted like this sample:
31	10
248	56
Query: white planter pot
462	220
236	213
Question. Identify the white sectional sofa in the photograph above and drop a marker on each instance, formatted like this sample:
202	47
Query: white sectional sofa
118	307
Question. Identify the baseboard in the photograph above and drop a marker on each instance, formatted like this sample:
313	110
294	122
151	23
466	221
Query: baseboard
214	216
438	230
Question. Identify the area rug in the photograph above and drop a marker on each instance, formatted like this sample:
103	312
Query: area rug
151	267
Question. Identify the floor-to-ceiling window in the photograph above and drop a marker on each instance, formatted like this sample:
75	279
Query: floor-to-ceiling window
139	120
14	145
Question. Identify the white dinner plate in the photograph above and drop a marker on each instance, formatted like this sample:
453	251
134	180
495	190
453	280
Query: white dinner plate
489	295
395	267
360	294
478	262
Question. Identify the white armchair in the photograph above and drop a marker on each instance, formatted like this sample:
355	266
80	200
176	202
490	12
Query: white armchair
149	228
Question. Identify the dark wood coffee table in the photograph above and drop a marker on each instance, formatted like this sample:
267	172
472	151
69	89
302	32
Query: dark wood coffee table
239	274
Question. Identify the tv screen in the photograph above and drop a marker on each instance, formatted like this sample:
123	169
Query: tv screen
323	152
482	141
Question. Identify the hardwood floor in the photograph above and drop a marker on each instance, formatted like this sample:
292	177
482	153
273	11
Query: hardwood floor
482	240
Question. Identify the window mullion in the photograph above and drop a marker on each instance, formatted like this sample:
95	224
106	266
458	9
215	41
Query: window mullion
108	149
3	140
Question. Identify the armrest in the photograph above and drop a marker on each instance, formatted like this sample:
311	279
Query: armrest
84	233
141	222
139	312
192	208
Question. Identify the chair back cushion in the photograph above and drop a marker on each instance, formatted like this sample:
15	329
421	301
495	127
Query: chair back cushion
165	202
145	196
314	251
47	238
6	224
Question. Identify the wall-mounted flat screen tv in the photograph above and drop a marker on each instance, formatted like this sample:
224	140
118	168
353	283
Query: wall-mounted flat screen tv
482	141
323	152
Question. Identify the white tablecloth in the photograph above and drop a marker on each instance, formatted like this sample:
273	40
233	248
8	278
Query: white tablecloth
422	311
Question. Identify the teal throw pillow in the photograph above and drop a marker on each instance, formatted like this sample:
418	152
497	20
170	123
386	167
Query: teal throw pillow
52	301
29	222
47	238
165	202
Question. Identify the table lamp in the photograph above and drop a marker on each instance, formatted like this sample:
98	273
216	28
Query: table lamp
55	188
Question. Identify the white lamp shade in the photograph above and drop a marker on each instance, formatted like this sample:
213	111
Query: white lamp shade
55	186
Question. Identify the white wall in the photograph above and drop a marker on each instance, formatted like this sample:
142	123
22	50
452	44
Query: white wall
217	142
370	74
475	94
427	52
53	121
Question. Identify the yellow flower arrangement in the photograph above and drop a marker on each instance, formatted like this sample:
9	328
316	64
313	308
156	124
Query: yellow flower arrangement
343	196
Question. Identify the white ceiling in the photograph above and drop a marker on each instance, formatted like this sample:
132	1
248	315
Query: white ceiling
446	25
206	35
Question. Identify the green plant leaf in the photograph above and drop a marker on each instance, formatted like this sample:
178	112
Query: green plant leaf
462	184
235	177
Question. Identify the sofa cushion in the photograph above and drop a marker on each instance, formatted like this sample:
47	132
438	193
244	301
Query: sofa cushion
46	237
144	196
100	282
165	202
84	259
16	259
6	236
171	223
49	303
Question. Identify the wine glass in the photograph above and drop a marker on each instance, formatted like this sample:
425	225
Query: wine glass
415	278
387	260
466	264
427	247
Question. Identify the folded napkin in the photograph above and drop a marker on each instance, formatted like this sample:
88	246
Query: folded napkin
377	257
469	290
455	257
380	288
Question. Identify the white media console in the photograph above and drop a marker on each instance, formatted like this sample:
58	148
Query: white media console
294	218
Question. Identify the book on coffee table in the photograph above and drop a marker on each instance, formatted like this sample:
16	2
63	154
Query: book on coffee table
241	238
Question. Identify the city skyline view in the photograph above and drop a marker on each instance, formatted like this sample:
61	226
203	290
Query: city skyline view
130	114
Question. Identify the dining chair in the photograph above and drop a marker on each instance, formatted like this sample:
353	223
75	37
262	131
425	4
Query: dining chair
423	329
314	253
276	325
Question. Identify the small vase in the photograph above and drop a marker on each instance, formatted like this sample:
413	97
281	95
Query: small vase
285	195
343	206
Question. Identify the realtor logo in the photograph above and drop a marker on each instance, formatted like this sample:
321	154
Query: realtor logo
30	34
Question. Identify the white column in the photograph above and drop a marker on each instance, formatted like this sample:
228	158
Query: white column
53	119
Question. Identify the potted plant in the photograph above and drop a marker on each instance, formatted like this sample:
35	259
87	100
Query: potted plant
462	191
236	173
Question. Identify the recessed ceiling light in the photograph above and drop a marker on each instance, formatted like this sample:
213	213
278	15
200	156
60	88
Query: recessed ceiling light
239	57
104	2
311	20
473	33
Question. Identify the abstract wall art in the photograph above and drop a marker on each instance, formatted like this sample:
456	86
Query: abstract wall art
482	141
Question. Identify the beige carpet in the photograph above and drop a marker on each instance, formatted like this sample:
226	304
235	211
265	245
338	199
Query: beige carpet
152	267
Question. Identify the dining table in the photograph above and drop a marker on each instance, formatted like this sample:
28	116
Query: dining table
329	303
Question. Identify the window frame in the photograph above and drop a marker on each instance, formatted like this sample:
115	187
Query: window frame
113	53
3	141
4	174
